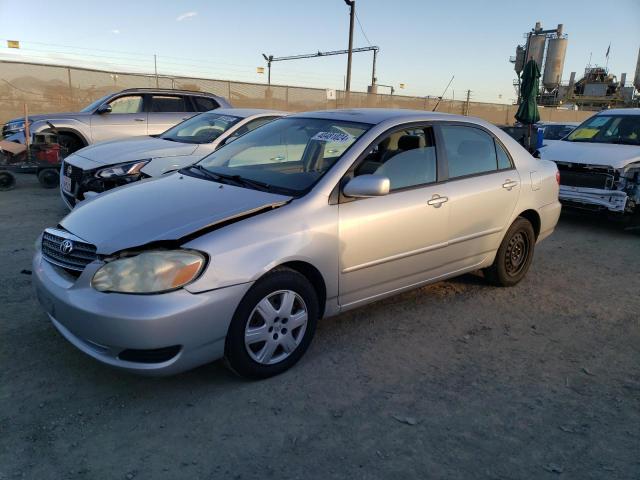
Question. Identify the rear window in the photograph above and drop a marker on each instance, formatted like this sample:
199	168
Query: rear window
167	104
470	151
204	104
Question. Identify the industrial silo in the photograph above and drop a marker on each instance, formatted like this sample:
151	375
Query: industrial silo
535	49
519	60
554	63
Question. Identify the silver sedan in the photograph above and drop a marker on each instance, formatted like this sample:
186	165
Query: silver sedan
239	255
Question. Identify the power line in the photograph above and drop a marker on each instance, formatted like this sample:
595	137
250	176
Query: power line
362	29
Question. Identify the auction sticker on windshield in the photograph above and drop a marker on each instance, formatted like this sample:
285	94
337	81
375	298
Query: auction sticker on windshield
335	137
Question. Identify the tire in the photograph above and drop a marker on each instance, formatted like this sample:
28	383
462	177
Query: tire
69	143
262	341
7	180
514	256
49	178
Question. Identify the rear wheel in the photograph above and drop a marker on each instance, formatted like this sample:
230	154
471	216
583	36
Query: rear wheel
49	178
514	255
7	180
273	325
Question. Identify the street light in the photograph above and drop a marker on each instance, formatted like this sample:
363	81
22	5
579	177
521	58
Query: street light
352	12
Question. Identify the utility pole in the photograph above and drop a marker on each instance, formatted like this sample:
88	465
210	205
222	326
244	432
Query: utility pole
466	104
269	59
155	68
352	14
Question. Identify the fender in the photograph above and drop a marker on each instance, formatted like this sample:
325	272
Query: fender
81	129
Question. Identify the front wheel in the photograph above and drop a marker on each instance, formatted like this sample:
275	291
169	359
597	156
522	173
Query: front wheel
514	255
273	325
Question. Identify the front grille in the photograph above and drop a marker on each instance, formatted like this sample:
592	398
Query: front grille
81	254
73	172
580	176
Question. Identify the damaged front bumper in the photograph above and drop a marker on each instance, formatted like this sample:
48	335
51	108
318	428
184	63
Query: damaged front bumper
599	187
594	198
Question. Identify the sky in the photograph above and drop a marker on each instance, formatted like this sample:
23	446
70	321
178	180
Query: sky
422	43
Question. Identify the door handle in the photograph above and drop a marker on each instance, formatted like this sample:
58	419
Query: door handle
509	184
279	158
138	119
437	201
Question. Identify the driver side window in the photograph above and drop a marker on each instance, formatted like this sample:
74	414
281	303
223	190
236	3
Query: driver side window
406	157
128	104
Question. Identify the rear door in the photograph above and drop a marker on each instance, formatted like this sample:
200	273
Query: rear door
483	189
165	111
127	118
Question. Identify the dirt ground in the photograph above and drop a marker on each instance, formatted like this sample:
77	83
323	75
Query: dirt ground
455	380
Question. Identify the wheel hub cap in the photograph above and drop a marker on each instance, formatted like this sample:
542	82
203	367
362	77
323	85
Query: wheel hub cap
276	327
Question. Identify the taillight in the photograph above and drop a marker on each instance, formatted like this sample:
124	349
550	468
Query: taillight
558	176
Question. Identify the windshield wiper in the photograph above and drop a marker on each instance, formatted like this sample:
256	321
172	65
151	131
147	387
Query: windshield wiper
245	181
207	173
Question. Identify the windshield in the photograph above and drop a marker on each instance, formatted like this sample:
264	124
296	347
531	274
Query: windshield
623	129
556	132
288	154
93	105
203	128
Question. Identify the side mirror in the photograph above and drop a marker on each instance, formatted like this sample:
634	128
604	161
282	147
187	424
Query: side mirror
364	186
229	139
104	108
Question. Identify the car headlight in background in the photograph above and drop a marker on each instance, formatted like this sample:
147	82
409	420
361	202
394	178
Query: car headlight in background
14	127
123	169
150	272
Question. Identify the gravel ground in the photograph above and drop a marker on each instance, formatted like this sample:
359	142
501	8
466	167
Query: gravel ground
455	380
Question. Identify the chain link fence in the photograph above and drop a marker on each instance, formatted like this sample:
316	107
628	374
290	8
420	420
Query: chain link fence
49	88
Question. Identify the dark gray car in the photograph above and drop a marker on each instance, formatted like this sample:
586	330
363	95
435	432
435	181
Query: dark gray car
131	112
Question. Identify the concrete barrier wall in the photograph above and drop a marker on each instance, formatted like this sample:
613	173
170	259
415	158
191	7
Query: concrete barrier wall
48	89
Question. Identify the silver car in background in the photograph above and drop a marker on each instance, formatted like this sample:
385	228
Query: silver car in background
101	167
239	255
130	112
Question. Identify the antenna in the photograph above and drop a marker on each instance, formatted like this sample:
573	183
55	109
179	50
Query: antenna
445	91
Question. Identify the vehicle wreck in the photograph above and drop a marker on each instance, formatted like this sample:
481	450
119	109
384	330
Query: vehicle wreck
599	163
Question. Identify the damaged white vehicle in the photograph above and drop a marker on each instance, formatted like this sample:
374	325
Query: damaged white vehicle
599	163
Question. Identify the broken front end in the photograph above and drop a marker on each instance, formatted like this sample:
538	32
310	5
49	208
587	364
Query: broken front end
600	187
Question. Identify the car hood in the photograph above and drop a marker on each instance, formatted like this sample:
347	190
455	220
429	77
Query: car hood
49	116
166	208
612	155
135	148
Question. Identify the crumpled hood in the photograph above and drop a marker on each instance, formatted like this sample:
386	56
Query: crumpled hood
135	148
166	208
616	156
49	116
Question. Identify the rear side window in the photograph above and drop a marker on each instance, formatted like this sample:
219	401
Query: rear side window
204	104
470	151
504	162
167	104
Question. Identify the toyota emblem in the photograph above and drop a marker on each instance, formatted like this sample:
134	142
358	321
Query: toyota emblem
69	170
66	247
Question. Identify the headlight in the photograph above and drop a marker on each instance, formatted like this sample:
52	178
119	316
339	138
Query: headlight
150	272
123	169
17	126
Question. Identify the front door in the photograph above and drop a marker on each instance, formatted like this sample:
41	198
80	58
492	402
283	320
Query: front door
127	118
398	240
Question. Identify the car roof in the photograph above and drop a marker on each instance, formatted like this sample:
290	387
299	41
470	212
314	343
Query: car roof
379	115
247	112
166	90
620	111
